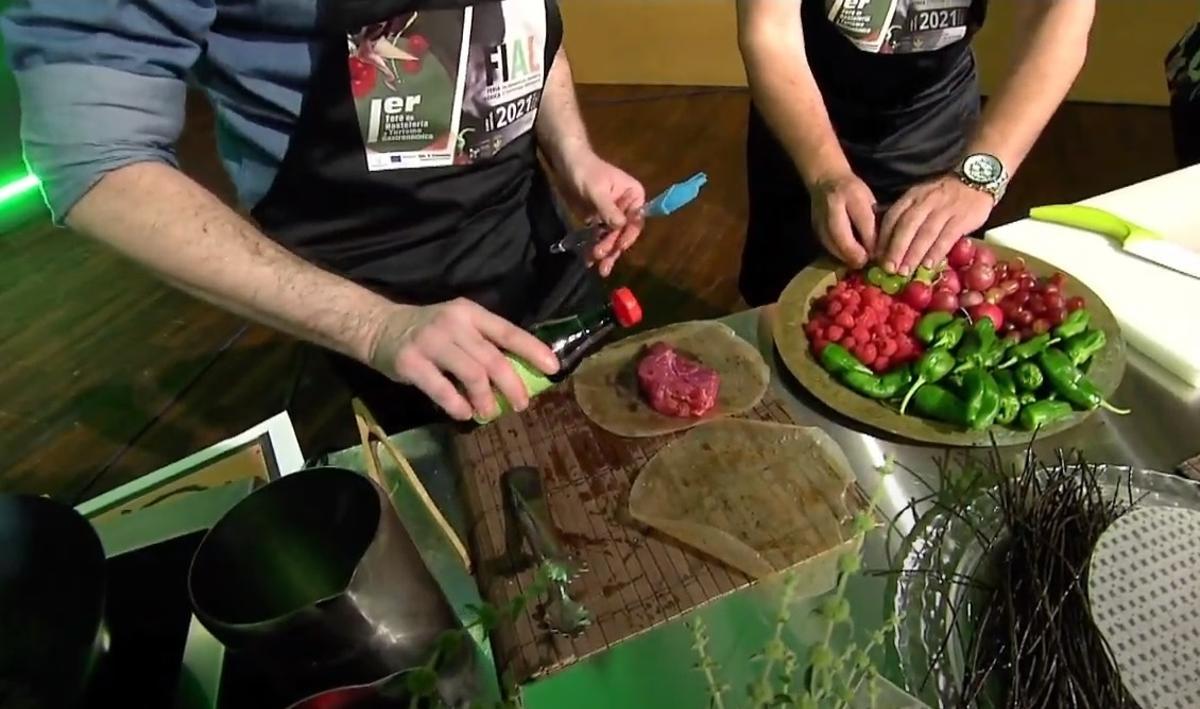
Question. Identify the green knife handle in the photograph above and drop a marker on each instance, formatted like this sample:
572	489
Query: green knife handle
1081	217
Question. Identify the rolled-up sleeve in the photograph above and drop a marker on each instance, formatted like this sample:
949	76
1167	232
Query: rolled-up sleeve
102	85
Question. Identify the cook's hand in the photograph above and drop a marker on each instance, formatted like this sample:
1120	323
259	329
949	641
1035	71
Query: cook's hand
923	225
614	198
843	215
432	346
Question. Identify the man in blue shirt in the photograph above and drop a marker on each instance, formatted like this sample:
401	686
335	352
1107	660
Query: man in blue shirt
387	152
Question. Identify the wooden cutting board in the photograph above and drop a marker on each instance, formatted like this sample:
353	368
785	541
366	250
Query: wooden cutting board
637	579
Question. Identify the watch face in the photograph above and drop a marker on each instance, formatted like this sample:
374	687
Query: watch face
982	169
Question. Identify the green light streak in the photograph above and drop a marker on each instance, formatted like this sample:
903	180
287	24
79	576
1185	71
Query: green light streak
14	190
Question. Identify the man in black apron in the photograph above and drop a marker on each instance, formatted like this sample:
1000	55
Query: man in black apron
411	181
865	136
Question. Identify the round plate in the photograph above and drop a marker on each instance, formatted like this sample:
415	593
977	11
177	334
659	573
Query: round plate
1106	370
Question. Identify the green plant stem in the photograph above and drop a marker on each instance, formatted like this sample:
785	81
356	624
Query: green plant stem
789	588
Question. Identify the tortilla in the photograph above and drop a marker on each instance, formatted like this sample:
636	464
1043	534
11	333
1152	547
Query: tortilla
761	497
606	385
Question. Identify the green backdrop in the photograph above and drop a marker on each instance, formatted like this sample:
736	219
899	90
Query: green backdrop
12	167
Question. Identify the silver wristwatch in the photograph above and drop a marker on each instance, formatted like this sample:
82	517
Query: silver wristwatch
985	173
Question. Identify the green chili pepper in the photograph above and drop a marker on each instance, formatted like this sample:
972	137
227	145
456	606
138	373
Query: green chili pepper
876	275
980	347
931	367
1069	383
837	359
1028	376
1080	348
983	398
1042	413
894	284
1028	350
949	335
1005	381
886	387
1027	397
929	324
1010	406
926	275
939	404
1073	325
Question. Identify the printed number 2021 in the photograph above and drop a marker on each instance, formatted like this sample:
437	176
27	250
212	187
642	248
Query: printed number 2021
503	115
938	19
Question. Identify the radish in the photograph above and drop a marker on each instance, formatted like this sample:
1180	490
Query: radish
949	281
987	310
980	276
984	254
917	296
962	253
945	300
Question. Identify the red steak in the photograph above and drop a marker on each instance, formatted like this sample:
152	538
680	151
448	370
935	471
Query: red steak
676	385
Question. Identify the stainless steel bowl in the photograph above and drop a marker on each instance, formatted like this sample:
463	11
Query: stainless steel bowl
314	582
52	579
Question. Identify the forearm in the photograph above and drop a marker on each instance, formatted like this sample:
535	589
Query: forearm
158	217
1051	46
561	132
784	90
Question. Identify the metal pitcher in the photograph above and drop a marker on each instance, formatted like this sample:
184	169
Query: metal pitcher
52	578
315	583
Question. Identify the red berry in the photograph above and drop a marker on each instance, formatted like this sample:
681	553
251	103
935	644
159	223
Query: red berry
889	348
882	363
834	307
362	77
843	318
869	352
1076	303
819	346
418	45
411	66
862	333
835	332
849	342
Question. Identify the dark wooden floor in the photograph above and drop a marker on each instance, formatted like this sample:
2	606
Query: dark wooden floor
106	375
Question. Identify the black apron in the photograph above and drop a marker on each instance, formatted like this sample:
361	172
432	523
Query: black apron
388	183
901	118
1183	80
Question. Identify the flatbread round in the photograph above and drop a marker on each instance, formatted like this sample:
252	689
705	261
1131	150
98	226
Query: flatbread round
606	385
761	497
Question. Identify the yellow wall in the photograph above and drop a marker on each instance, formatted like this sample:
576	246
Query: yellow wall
693	42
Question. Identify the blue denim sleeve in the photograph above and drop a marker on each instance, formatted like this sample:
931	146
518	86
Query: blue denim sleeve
102	85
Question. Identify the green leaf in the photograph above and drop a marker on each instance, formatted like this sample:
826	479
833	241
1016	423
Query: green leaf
449	643
422	682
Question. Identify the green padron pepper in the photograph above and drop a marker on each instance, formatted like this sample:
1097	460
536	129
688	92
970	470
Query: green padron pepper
837	359
1029	376
929	324
1070	384
1080	348
980	346
1043	413
930	368
1027	350
940	404
950	335
890	283
926	275
886	387
1026	398
1074	324
1010	405
982	398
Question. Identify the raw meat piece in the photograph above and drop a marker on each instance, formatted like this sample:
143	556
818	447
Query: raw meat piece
675	385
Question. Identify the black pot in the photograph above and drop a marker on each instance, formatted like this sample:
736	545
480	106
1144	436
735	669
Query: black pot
314	583
52	578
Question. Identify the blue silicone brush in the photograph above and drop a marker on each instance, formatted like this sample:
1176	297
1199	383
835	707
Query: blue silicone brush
675	197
